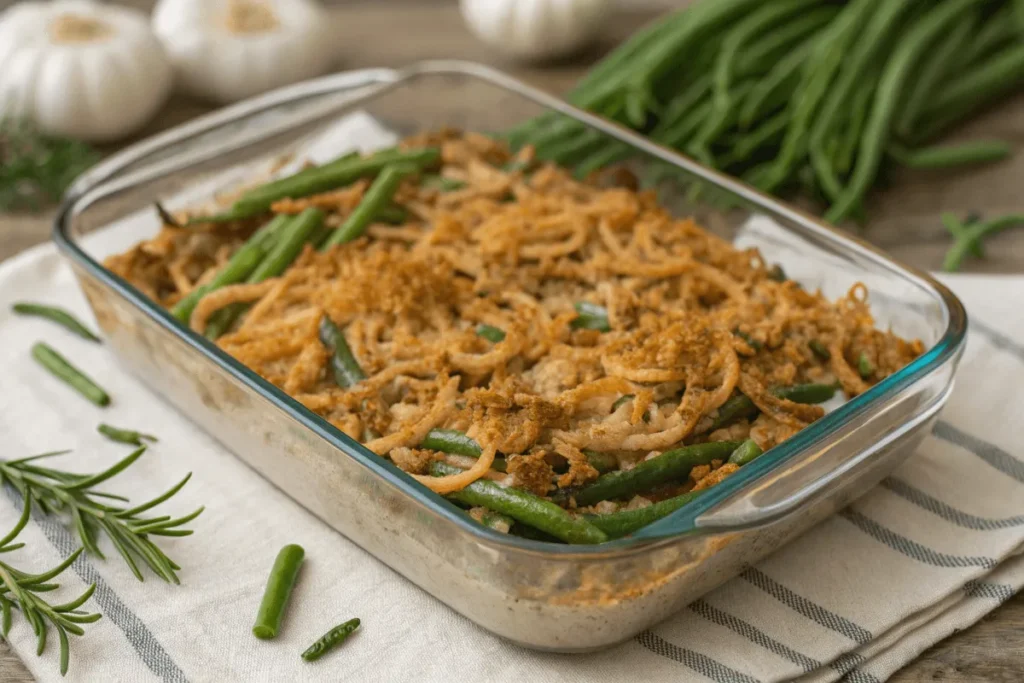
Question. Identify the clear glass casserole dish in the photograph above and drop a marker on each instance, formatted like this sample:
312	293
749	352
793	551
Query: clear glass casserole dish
541	595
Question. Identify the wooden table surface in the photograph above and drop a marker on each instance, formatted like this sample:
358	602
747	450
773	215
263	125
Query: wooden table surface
904	221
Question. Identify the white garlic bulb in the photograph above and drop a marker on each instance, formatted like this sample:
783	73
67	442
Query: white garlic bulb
80	69
227	50
535	29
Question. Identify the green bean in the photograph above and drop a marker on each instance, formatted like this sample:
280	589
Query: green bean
820	350
974	89
336	636
893	81
279	588
344	365
331	176
994	33
611	154
393	214
750	341
568	149
669	466
57	315
761	19
523	507
681	105
602	462
776	44
621	401
291	237
959	232
451	441
850	138
490	333
379	195
947	156
442	184
933	72
591	317
625	522
497	521
975	233
128	436
746	145
745	453
851	78
777	274
241	264
60	368
740	406
864	366
786	70
819	66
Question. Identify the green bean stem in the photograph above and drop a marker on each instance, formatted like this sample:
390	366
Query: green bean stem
128	436
625	522
279	588
57	315
336	636
60	368
669	466
379	195
344	366
523	507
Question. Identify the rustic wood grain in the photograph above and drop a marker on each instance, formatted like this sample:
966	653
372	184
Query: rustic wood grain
904	221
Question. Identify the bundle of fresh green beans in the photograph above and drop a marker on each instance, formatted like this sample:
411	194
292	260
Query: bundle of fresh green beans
813	96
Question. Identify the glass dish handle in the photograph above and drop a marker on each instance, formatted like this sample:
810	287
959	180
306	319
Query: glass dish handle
121	163
785	488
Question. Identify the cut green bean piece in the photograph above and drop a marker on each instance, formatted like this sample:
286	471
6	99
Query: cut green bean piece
279	588
750	341
621	401
591	317
336	636
490	333
451	441
523	507
625	522
60	368
745	453
819	350
864	366
669	466
736	408
129	436
241	264
379	195
344	365
57	315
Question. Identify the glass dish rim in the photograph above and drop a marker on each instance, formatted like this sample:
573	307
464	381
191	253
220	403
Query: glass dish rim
945	348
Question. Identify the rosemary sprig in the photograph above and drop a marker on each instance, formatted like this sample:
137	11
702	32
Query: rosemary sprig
20	590
35	169
56	491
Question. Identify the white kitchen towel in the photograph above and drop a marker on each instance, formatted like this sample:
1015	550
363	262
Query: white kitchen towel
931	551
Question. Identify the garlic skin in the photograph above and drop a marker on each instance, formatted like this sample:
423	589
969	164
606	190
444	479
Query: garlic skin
227	50
80	69
535	29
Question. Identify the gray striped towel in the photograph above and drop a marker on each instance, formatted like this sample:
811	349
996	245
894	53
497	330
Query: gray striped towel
930	551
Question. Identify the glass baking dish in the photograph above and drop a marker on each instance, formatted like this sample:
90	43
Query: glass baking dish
541	595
